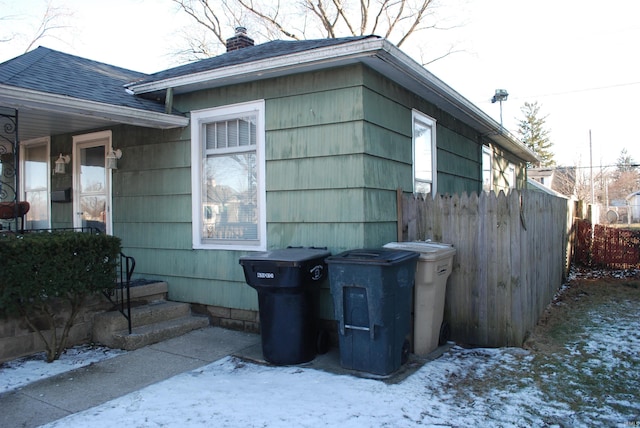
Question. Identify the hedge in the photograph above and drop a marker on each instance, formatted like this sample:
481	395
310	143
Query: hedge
41	271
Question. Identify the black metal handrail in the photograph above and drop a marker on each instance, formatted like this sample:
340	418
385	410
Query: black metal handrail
126	266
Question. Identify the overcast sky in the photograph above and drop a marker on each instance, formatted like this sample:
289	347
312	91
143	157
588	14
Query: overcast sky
578	59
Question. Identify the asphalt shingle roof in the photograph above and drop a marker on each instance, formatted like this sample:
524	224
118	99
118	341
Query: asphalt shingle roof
263	51
49	71
54	72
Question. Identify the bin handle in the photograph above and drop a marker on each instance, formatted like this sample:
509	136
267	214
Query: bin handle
371	330
364	254
355	327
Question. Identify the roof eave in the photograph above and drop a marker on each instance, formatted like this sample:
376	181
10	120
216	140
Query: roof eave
378	53
284	64
450	101
20	98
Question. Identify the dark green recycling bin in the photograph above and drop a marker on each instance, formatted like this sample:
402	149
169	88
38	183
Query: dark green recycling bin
285	280
372	290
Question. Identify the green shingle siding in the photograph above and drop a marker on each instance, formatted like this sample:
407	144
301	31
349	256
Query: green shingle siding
338	144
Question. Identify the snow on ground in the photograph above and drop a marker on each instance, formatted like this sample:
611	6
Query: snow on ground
592	381
20	372
450	391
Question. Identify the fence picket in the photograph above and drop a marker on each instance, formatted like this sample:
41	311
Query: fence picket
510	258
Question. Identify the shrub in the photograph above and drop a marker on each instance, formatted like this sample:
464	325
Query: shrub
42	273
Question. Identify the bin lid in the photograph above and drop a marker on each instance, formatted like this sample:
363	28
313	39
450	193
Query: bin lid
286	256
430	251
378	256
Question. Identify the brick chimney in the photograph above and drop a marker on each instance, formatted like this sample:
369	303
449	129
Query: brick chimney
239	41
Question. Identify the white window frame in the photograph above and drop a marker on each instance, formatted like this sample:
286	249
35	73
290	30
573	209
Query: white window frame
486	151
511	175
46	142
199	119
423	119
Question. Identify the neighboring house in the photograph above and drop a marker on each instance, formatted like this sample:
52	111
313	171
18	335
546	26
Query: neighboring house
560	179
633	201
543	176
535	185
288	143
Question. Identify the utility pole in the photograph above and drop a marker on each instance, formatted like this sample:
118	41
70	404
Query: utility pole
593	201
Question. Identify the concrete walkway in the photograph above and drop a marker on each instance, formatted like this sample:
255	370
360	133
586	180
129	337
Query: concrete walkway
71	392
81	389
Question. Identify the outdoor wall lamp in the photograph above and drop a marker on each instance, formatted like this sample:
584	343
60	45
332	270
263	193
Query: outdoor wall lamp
61	163
112	158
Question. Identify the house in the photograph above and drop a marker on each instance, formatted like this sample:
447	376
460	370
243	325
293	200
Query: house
543	176
633	202
288	143
560	179
536	186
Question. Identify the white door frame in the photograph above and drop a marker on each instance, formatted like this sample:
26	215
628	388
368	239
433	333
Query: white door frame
102	138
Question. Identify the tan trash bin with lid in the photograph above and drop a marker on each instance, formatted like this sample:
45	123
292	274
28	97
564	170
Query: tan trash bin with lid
433	269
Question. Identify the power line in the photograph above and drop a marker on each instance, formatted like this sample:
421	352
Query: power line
574	91
556	168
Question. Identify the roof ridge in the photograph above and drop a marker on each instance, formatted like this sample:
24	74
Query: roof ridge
267	50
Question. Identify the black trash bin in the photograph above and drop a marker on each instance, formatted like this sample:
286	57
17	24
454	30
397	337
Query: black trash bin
372	291
285	280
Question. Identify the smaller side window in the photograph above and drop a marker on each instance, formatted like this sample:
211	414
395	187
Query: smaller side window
424	154
487	172
511	175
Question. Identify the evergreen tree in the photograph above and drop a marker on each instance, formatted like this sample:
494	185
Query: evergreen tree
534	134
625	162
625	179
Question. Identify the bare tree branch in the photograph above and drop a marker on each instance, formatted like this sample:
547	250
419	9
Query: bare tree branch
49	23
396	20
52	20
418	19
450	51
340	13
249	6
320	11
210	21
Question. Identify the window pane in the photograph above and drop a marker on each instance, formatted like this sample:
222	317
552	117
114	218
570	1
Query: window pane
36	175
422	187
230	197
94	212
232	136
244	136
486	171
210	136
221	135
92	170
423	155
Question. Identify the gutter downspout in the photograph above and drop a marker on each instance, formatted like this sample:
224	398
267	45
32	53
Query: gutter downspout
168	101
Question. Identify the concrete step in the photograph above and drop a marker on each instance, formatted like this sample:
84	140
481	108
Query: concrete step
145	293
156	332
160	310
151	323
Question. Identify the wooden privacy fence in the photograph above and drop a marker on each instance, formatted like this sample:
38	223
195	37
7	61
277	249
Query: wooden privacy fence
511	258
606	247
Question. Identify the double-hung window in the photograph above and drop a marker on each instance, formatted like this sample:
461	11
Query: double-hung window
511	176
228	177
487	172
35	164
424	154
